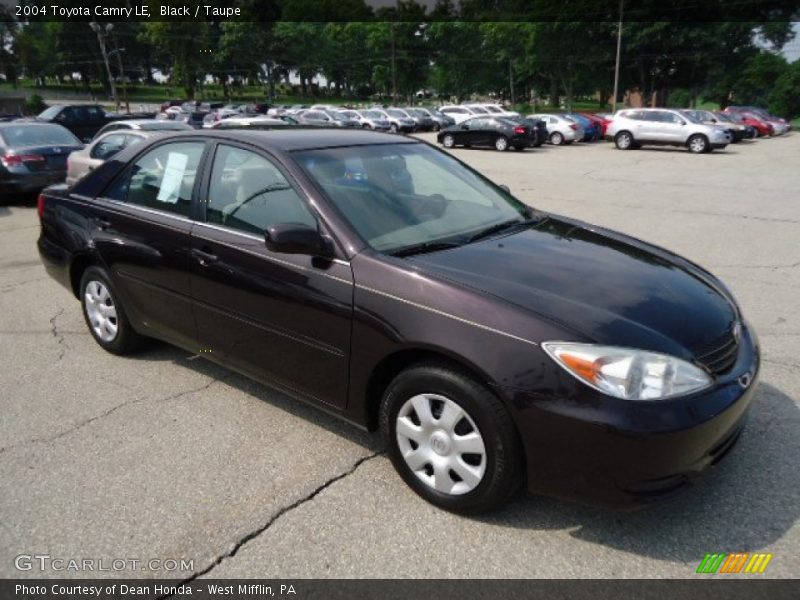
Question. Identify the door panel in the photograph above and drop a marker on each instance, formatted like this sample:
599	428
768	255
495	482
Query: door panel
142	233
284	319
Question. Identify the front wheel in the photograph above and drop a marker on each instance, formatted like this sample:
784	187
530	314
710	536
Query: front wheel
501	144
450	439
448	141
698	144
105	316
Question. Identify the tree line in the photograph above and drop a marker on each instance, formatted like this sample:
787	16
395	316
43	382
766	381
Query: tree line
515	49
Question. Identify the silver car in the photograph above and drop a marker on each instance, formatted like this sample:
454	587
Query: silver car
144	125
633	127
561	130
99	150
368	119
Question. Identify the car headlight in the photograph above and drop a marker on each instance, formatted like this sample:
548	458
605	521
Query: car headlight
628	373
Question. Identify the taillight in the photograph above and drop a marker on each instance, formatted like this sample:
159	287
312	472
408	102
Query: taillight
40	205
15	160
520	130
574	127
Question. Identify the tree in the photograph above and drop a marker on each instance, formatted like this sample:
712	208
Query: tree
784	99
181	45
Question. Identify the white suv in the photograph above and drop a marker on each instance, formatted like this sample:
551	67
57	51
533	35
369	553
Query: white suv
632	127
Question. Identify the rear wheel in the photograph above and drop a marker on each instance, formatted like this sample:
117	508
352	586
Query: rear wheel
436	127
624	140
698	144
450	439
104	314
501	143
448	141
556	138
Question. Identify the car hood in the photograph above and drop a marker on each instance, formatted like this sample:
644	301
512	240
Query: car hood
596	284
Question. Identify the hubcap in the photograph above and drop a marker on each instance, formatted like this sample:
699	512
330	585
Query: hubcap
501	144
448	140
441	444
698	145
101	311
624	141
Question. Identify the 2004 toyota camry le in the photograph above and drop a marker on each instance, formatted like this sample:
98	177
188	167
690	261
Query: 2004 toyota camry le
381	279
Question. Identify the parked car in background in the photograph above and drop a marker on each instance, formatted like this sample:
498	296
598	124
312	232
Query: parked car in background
779	124
537	127
397	122
737	127
33	155
440	120
752	131
458	113
424	122
144	125
323	118
736	131
560	130
195	119
82	162
83	120
368	119
631	128
492	109
600	120
591	129
341	120
501	133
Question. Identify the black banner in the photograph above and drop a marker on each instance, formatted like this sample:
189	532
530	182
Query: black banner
707	588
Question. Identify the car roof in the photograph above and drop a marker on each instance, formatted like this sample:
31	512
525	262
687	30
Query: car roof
20	123
291	139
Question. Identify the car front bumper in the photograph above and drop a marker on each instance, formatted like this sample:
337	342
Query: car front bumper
626	454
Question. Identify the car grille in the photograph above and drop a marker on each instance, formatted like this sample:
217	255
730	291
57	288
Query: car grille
719	356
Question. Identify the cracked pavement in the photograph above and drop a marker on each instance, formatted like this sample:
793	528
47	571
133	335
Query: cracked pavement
164	455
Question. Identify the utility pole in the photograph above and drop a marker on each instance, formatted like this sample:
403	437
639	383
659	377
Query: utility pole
119	52
511	80
101	32
616	66
394	66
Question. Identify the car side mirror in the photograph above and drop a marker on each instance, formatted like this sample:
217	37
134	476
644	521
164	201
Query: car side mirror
683	123
505	188
296	238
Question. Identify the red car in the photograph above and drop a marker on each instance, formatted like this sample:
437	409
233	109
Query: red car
601	121
762	127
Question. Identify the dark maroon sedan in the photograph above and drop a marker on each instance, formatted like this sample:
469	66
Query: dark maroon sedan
377	277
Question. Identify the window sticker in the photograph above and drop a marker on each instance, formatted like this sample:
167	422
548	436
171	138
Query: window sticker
173	178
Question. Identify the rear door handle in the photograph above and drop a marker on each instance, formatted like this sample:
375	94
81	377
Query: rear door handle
204	258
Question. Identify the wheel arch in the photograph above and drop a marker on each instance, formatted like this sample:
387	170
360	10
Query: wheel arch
393	364
76	270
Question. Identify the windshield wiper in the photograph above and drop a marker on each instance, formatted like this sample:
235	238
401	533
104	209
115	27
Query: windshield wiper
497	228
424	248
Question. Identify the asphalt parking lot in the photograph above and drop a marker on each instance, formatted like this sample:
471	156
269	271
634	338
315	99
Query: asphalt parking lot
166	456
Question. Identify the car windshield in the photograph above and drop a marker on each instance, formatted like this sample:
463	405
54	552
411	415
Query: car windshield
396	113
399	196
493	109
479	110
692	117
37	135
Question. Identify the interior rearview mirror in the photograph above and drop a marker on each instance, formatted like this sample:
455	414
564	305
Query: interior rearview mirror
296	238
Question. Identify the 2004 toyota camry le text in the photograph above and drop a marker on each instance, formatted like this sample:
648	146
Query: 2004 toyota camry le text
381	279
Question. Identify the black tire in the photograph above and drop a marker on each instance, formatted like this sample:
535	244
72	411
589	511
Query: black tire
504	468
698	144
556	138
624	140
126	340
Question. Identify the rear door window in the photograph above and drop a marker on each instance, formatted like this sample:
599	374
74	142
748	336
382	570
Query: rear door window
162	178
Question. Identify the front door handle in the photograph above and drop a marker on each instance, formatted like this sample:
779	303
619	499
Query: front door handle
204	258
